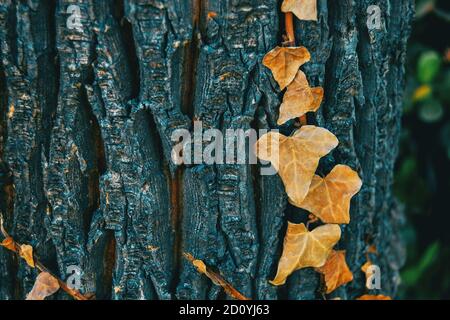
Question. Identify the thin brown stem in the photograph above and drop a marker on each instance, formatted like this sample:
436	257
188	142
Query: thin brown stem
289	26
16	248
216	278
290	35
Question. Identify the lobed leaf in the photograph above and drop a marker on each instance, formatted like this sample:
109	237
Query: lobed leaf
303	248
329	198
284	63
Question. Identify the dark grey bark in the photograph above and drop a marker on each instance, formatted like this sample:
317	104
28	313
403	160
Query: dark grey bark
87	117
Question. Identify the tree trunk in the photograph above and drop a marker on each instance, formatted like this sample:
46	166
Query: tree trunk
87	117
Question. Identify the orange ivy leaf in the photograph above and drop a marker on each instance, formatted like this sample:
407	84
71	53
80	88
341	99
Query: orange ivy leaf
26	252
8	243
296	158
44	286
366	266
303	9
284	63
303	248
373	297
329	198
216	278
299	99
336	271
368	273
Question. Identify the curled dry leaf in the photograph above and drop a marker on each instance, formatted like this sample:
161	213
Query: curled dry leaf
329	198
299	99
335	271
302	248
373	297
8	243
303	9
284	63
44	286
216	278
296	158
26	252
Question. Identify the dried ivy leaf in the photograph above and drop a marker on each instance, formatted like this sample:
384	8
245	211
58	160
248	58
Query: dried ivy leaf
302	248
299	99
296	158
26	252
373	297
216	278
329	198
336	271
365	267
318	97
284	63
303	9
44	286
8	243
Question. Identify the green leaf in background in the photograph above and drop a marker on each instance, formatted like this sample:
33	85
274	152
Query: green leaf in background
413	274
428	66
423	7
431	111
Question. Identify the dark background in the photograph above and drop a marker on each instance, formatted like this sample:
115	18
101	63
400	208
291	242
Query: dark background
422	179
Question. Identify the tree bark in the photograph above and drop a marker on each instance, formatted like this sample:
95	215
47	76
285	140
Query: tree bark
87	117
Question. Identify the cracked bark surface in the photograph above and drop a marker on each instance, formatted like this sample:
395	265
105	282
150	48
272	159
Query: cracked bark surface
87	118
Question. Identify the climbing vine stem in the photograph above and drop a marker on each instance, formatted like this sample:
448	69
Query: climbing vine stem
290	42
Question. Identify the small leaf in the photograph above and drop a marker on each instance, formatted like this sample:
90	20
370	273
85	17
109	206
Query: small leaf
200	265
428	66
44	286
216	278
421	93
336	271
431	111
284	63
366	267
9	244
303	9
303	248
296	158
26	252
299	99
329	198
373	297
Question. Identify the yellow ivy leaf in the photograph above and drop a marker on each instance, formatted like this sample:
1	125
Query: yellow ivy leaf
373	297
336	271
8	243
284	63
44	286
329	198
26	252
296	158
303	9
299	99
303	248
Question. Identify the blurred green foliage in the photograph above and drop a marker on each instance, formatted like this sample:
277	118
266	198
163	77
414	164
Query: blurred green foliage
422	178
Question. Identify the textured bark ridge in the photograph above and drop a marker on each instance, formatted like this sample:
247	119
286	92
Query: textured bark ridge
87	117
